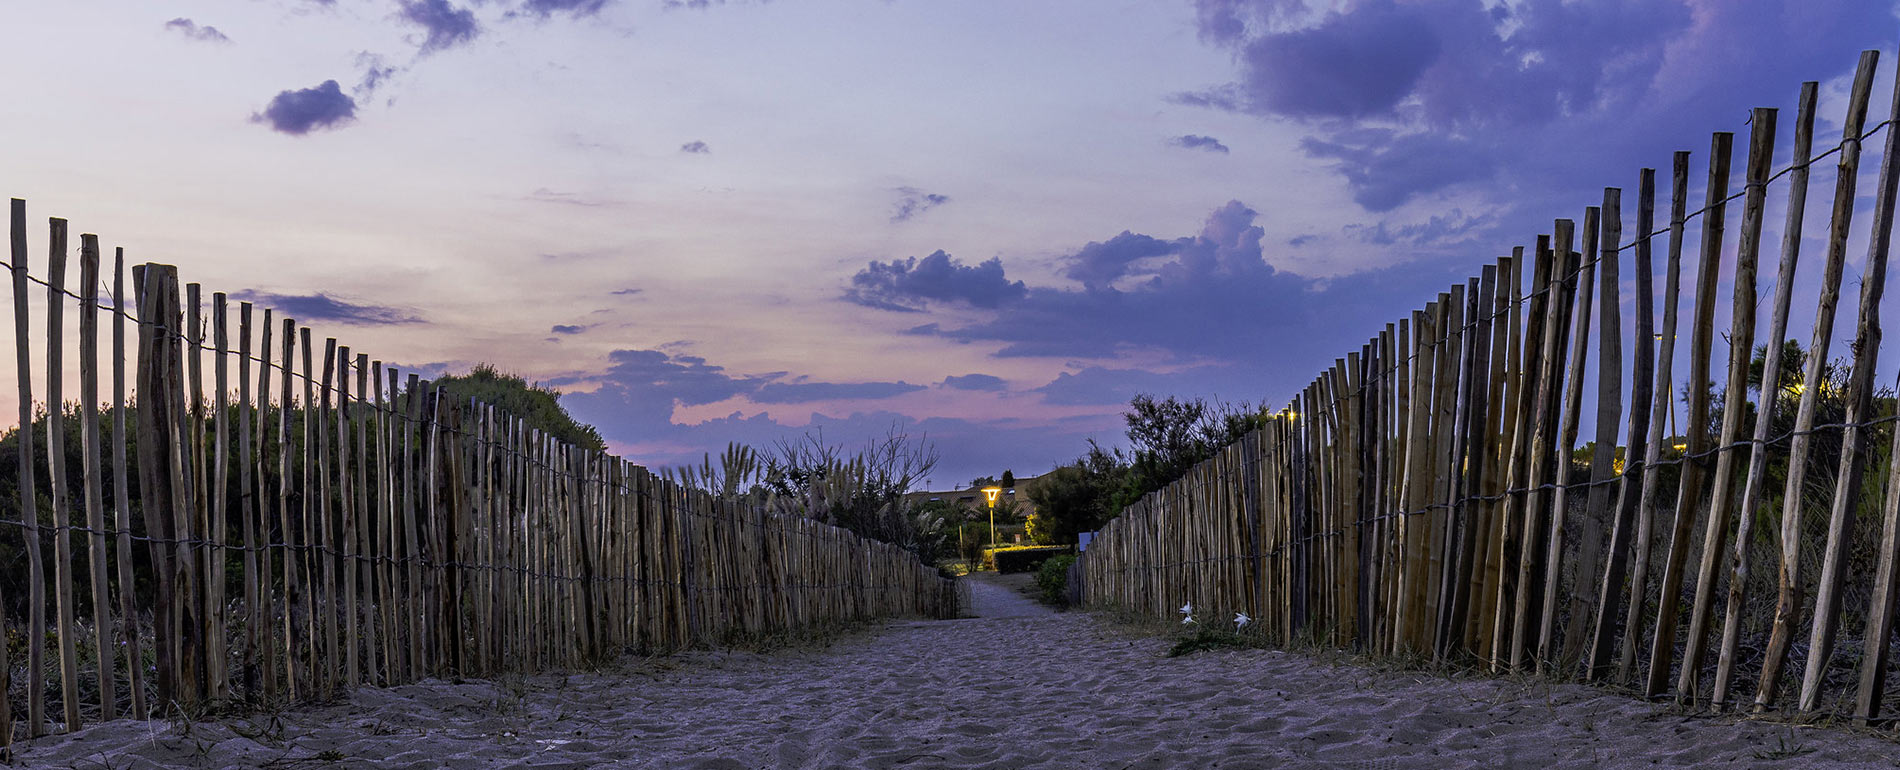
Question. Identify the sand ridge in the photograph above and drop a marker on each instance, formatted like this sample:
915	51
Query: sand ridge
1017	687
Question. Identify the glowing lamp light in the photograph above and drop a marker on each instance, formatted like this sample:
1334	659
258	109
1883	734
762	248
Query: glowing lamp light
990	494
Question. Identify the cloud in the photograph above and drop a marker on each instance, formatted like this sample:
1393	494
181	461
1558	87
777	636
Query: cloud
645	375
1201	314
546	195
1098	264
1354	64
567	329
974	382
575	8
910	285
806	392
298	112
446	26
643	386
1222	98
640	390
1219	20
1196	142
695	147
376	74
1230	242
1452	227
626	292
1427	97
912	202
312	308
190	29
1097	385
1205	297
1385	171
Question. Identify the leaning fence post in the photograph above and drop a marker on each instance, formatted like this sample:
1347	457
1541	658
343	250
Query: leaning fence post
122	504
29	498
91	472
64	598
1860	401
1662	651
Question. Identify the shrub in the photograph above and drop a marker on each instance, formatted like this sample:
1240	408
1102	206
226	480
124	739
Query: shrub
1053	579
1023	558
539	406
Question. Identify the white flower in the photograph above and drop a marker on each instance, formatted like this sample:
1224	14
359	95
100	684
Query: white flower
1187	609
1241	620
1187	620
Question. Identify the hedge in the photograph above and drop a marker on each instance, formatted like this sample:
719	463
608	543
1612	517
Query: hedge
1026	558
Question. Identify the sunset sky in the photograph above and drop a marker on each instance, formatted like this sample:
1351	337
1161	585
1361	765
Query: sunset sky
987	222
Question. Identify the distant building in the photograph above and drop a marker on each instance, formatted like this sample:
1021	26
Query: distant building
972	498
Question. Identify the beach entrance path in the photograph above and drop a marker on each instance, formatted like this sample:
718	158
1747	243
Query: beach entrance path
1017	686
992	596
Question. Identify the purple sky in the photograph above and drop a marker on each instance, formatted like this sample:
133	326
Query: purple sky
991	222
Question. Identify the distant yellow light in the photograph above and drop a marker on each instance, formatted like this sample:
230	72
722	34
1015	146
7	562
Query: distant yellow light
990	493
1681	447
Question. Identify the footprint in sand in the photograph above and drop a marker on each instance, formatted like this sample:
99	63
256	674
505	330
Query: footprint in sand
1015	686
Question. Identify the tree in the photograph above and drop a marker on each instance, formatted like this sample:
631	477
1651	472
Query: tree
1009	480
1078	497
1006	510
1172	435
982	481
1167	432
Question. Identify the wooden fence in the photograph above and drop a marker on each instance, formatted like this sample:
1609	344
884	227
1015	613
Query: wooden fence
357	529
1426	495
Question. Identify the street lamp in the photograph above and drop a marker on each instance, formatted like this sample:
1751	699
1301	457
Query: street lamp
990	494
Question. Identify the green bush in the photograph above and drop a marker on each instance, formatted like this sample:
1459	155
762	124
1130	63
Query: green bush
1053	578
1024	558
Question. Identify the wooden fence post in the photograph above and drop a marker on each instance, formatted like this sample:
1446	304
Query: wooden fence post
159	320
1789	589
90	459
1665	397
64	597
1741	350
1642	436
29	497
247	510
1696	459
1566	448
1860	396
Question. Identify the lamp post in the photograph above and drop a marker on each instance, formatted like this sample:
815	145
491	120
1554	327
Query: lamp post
990	494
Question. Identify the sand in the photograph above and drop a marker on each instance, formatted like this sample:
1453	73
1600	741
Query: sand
1017	687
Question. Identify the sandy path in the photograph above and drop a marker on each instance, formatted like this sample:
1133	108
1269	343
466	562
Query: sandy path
1017	687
